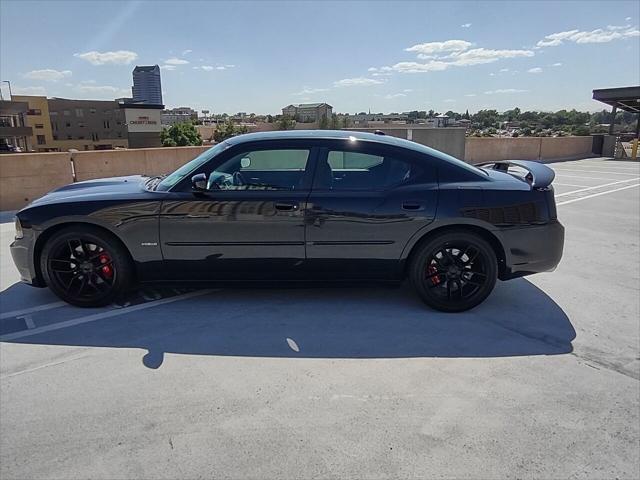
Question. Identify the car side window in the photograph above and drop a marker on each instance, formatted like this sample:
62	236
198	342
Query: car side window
261	170
346	170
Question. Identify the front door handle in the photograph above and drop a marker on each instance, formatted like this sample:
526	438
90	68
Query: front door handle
286	207
413	206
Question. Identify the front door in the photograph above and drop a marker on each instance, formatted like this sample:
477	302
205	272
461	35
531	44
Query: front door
248	224
366	203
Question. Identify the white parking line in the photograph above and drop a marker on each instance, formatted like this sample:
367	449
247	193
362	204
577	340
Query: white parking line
598	194
581	177
102	315
568	185
39	308
595	187
592	171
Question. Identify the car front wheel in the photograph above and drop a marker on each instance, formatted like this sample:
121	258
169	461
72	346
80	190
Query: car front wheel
454	271
85	267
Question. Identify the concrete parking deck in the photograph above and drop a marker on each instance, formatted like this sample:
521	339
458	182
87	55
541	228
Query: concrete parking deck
542	380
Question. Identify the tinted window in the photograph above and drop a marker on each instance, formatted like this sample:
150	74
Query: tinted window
261	170
362	171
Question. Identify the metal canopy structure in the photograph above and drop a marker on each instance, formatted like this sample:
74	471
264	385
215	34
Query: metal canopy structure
624	98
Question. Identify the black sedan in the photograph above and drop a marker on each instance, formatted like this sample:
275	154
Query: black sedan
298	206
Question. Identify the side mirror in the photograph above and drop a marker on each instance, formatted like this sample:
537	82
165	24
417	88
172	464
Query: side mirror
245	162
199	182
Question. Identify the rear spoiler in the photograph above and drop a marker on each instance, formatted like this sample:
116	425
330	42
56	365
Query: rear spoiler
539	176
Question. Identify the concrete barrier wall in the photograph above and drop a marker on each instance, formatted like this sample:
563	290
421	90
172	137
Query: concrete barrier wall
148	161
526	148
27	176
447	140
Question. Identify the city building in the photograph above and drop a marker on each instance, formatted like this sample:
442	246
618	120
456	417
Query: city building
147	87
366	119
14	131
308	112
178	115
87	124
60	124
37	118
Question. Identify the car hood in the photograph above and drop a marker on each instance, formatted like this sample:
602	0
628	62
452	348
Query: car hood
104	188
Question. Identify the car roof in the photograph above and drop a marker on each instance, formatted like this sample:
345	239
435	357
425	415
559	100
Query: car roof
349	134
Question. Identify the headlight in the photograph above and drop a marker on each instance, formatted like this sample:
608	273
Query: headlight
19	233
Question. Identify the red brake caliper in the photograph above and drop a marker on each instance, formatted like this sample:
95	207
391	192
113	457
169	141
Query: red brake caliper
431	273
107	271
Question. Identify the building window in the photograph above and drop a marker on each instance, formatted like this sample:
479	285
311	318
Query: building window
54	126
94	137
106	124
81	137
69	137
39	125
34	111
55	137
82	124
79	112
67	124
66	113
92	110
107	112
41	140
53	114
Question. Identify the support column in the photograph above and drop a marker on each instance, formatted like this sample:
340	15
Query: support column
614	110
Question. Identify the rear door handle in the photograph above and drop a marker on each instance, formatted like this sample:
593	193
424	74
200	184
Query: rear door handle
286	207
412	206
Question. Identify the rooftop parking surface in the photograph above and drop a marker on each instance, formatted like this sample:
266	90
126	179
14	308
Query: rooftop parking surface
542	380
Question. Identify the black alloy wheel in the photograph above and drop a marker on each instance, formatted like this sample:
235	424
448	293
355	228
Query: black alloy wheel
85	267
454	271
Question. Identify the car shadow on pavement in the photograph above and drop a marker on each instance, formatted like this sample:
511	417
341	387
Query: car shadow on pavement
329	322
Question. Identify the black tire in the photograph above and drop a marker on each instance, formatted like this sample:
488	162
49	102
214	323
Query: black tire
85	266
454	271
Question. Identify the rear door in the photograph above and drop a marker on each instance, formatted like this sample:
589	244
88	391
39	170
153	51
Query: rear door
367	200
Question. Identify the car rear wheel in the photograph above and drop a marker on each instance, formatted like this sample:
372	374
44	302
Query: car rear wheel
85	267
454	271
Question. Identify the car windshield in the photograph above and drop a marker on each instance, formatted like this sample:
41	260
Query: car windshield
182	172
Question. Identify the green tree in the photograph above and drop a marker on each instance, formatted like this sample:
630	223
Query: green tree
285	123
227	130
180	135
335	122
324	123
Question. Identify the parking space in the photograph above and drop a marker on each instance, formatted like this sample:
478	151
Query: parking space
542	380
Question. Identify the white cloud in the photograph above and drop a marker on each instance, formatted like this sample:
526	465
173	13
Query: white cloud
310	91
557	64
168	67
470	95
449	100
207	68
391	96
48	74
535	70
504	90
176	61
372	69
407	90
357	82
196	68
465	25
502	70
187	51
221	67
119	57
28	90
599	35
102	89
439	47
479	56
628	19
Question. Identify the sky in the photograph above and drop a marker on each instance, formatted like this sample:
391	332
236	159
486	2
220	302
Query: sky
383	56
